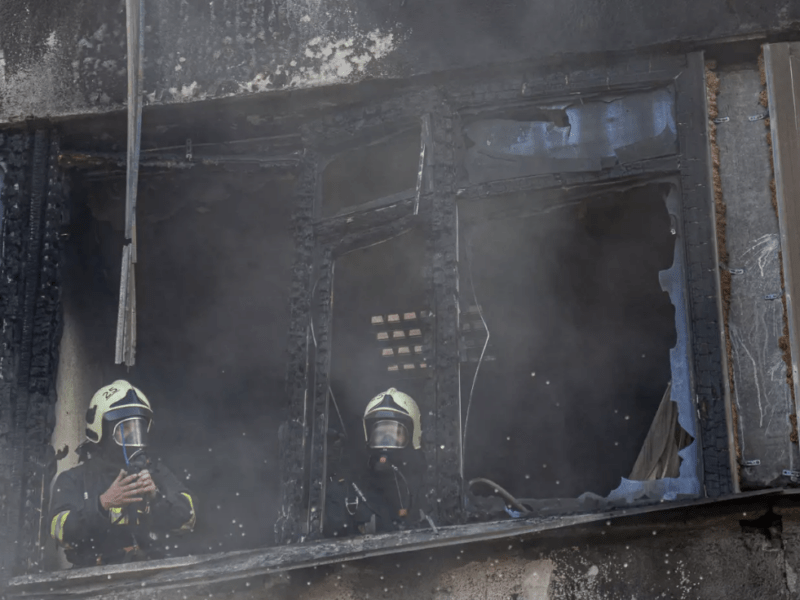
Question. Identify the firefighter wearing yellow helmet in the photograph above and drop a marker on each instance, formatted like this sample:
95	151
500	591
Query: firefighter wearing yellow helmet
391	421
116	504
379	496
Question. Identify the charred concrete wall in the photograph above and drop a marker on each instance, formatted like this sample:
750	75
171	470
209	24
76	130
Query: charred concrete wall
70	59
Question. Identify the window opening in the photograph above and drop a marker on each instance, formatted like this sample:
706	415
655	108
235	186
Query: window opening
213	281
585	341
367	173
380	341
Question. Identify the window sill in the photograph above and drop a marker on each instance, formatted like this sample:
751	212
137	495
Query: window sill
187	572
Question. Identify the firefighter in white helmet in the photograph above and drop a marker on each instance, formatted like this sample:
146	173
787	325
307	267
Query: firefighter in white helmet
117	503
380	497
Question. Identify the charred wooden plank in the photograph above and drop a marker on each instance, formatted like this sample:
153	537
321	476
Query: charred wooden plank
321	318
703	286
652	167
294	431
445	498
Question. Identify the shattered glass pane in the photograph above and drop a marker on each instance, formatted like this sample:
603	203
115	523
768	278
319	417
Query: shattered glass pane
596	135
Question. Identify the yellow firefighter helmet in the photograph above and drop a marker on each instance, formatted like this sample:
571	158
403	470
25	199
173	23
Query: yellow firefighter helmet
116	402
387	419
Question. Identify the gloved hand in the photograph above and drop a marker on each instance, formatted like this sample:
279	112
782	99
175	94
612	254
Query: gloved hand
127	489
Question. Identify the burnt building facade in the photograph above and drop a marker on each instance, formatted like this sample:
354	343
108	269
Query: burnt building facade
565	231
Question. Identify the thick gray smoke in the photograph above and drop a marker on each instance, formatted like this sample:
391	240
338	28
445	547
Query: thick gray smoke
577	363
213	280
580	339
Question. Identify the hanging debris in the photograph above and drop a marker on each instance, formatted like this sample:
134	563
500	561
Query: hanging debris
126	317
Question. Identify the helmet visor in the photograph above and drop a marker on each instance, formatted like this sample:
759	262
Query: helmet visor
131	432
388	434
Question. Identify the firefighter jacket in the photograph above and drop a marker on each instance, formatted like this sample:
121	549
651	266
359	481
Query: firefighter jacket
93	536
370	504
361	500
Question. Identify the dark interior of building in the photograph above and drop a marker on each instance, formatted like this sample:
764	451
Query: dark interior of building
580	332
213	280
378	281
577	363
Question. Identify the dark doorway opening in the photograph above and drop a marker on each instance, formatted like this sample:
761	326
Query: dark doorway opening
580	333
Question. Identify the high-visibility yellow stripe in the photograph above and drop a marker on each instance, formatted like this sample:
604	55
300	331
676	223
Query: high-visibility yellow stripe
189	525
116	516
53	526
57	527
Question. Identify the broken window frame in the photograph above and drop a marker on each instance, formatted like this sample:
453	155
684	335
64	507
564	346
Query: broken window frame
707	363
437	209
444	232
556	143
336	236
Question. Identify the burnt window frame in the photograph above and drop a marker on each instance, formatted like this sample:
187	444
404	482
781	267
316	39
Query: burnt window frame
688	170
437	206
328	153
349	229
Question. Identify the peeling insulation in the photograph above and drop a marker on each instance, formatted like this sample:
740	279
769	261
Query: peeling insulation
712	90
783	341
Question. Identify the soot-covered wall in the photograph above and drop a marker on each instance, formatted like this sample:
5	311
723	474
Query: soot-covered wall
580	330
213	277
72	60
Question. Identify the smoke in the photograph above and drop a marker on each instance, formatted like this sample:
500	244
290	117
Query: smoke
214	271
580	339
379	280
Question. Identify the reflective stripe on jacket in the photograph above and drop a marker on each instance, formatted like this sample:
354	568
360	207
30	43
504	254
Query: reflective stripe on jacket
93	536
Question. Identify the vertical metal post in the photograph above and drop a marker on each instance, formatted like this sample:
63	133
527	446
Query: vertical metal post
134	13
126	319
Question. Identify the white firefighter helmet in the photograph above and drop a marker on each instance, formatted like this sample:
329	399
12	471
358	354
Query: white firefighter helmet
116	402
395	402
